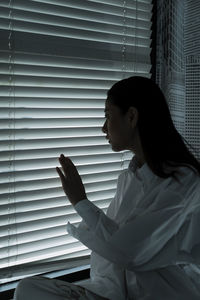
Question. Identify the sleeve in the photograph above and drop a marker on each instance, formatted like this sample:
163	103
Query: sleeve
154	239
96	220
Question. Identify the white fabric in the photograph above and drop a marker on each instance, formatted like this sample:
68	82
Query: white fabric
147	246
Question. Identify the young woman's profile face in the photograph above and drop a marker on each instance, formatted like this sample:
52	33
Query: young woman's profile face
118	127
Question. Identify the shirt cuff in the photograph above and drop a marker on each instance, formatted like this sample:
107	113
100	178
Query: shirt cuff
89	212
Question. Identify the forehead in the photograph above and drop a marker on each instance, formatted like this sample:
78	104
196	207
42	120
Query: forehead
109	106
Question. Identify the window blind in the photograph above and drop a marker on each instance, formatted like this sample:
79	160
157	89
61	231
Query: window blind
58	59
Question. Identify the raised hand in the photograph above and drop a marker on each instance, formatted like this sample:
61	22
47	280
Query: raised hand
71	180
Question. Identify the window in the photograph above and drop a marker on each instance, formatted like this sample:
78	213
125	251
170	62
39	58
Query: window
58	58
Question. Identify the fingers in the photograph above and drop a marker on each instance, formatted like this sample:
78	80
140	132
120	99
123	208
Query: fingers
60	173
67	166
63	160
62	177
71	180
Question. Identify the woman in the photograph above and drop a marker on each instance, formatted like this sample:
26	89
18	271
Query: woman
147	245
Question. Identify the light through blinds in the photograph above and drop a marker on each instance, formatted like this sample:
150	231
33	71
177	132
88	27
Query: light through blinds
58	58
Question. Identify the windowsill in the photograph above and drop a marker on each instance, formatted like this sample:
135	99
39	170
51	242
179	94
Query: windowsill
75	274
19	272
67	272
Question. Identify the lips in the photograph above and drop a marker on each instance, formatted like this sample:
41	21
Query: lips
107	138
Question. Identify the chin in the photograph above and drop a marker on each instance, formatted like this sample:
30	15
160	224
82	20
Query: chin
116	148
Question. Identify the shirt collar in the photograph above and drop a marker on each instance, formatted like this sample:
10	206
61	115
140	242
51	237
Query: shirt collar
143	173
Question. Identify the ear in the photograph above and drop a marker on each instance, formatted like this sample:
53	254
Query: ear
133	116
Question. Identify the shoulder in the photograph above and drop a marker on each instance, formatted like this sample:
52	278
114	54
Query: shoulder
183	190
186	177
185	186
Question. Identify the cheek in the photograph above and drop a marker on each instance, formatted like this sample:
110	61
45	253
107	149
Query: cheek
117	134
113	128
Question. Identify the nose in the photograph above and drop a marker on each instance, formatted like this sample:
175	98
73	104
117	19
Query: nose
104	128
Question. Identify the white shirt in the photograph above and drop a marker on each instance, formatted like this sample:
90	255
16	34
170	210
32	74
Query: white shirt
147	245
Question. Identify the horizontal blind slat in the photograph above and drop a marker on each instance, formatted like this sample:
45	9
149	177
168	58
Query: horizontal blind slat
65	61
45	204
53	152
88	10
50	183
71	23
54	133
39	255
89	160
63	29
62	143
73	73
45	214
7	209
42	81
68	102
45	194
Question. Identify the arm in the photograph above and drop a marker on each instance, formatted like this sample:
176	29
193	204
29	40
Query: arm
152	240
139	244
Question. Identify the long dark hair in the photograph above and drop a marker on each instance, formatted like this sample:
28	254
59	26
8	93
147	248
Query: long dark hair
162	144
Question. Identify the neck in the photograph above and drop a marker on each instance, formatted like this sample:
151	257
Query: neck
140	161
